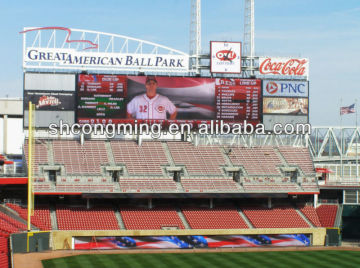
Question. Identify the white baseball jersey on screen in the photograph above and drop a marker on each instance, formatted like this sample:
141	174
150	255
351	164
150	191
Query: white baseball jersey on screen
154	108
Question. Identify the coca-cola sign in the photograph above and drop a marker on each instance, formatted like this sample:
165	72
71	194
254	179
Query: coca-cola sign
284	66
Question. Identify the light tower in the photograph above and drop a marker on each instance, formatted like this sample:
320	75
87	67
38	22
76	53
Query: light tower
195	35
249	33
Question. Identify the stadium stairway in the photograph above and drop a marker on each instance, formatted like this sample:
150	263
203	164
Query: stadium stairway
248	222
225	152
179	186
304	218
50	152
168	154
183	219
119	219
53	218
109	153
281	157
338	217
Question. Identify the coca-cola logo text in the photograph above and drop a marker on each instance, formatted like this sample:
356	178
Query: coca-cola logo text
296	67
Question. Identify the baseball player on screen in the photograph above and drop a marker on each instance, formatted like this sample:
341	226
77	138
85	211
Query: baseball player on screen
151	105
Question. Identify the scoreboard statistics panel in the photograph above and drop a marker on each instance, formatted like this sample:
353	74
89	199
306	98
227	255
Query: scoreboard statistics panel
238	99
101	97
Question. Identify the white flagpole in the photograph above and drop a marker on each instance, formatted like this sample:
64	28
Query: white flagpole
341	144
357	141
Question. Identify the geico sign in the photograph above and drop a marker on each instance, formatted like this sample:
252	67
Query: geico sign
280	66
286	89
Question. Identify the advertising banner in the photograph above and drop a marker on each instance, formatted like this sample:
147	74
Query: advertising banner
225	57
283	88
122	99
284	66
50	100
292	106
190	241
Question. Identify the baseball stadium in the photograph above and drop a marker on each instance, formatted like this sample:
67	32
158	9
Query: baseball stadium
126	153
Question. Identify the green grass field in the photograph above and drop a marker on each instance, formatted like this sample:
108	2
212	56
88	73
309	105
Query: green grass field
224	259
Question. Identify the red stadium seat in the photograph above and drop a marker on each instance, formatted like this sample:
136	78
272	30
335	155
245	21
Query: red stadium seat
150	219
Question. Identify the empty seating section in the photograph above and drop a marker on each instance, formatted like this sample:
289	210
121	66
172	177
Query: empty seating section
150	219
140	160
327	215
277	217
80	159
79	218
40	154
10	225
199	160
256	160
216	218
298	156
311	215
147	184
201	184
40	219
42	187
312	188
4	251
263	188
77	187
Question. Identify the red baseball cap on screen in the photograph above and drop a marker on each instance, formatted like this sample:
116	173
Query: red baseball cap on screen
150	78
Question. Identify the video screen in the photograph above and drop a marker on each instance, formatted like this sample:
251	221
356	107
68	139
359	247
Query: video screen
121	99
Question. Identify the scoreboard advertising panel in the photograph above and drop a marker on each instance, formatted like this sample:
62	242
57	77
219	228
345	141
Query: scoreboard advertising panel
105	99
285	97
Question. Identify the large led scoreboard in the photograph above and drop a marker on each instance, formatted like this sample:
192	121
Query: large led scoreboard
104	98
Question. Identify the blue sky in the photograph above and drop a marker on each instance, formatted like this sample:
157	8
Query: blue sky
326	32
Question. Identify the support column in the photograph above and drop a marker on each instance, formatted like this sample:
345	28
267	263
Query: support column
211	203
150	204
87	203
316	196
269	202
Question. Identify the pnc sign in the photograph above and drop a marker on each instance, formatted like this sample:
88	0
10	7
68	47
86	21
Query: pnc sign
279	88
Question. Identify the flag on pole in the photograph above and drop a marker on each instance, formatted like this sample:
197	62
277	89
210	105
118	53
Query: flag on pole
348	109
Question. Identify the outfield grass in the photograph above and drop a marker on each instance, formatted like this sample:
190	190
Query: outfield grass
224	259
